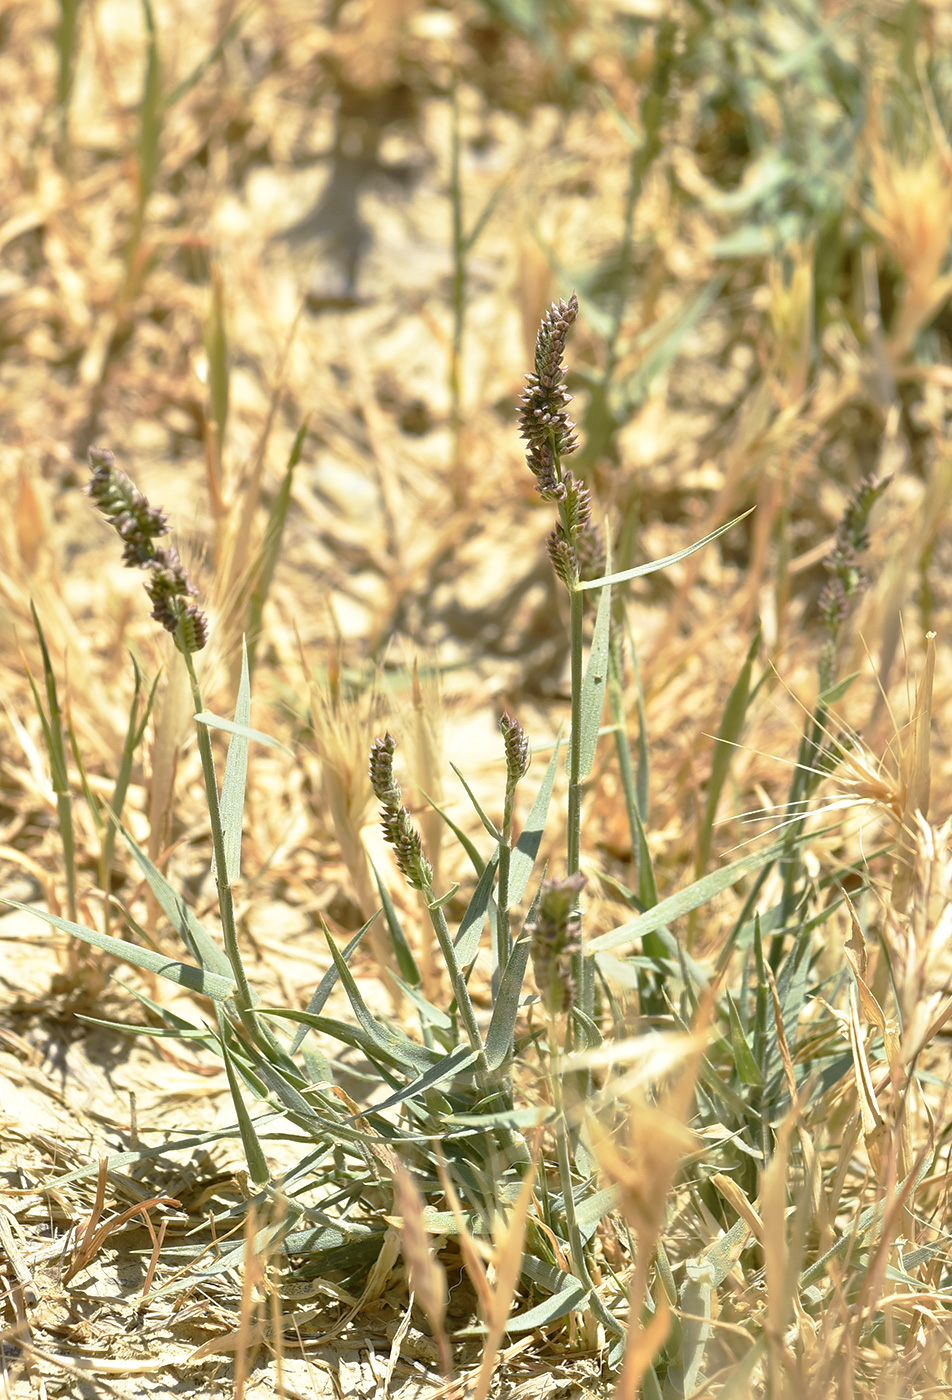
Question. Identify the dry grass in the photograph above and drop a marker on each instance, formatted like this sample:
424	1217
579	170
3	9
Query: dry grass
225	224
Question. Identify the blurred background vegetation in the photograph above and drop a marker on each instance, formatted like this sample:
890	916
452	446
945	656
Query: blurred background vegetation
236	237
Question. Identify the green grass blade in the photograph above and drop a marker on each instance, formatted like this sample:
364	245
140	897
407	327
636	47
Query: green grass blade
470	930
66	55
135	731
593	684
195	937
490	826
234	782
51	720
216	353
174	1024
643	781
404	954
663	353
160	1032
375	1047
745	1064
572	1297
635	791
499	1037
266	561
485	214
684	901
326	985
641	570
394	1043
92	801
229	726
732	725
479	865
152	113
257	1162
195	979
429	1014
527	847
214	53
456	1062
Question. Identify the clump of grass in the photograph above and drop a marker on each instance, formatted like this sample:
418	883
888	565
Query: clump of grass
521	1133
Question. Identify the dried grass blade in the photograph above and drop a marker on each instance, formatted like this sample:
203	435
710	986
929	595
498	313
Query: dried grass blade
728	736
427	1276
264	565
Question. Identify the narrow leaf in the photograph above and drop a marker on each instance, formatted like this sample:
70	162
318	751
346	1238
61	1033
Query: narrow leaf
642	569
493	830
685	900
394	1043
593	684
527	847
471	925
324	988
405	959
506	1006
264	565
235	779
453	1063
228	726
747	1068
173	906
254	1156
571	1298
732	724
476	859
195	979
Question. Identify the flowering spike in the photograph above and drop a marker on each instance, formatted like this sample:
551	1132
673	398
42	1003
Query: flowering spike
518	754
139	524
554	938
543	421
398	829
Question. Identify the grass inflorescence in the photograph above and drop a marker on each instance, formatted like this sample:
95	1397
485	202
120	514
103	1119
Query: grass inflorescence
524	1052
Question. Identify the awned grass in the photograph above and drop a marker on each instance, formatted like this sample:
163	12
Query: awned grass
584	1084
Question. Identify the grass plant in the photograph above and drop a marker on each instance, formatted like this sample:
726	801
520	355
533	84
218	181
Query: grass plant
576	1080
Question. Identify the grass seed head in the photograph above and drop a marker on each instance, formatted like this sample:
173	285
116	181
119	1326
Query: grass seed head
543	422
398	829
138	525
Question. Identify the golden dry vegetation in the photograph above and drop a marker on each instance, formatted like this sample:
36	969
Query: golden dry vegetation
288	261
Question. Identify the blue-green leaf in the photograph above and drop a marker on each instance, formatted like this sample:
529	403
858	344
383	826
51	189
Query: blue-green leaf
195	979
236	776
527	847
642	569
471	926
229	726
173	906
593	684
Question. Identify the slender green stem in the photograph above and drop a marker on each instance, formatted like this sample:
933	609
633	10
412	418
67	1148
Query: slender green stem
460	990
226	905
503	931
574	835
581	971
64	813
573	1233
623	752
134	734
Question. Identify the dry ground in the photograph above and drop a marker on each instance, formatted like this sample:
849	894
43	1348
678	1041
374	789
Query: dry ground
301	207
